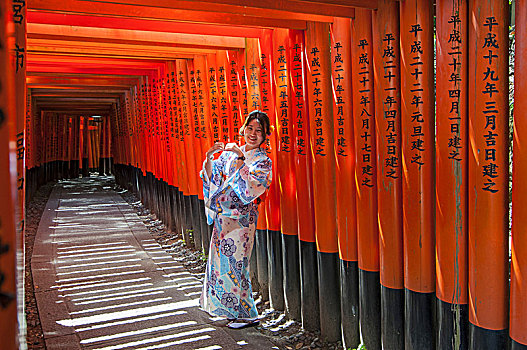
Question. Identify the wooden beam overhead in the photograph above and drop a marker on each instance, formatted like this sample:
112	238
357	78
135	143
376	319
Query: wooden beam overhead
323	8
45	17
107	53
76	92
148	12
126	36
76	81
85	104
93	62
69	94
335	8
77	112
297	10
82	75
61	100
36	68
92	105
80	87
112	49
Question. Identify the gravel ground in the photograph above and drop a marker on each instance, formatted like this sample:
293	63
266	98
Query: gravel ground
35	337
284	333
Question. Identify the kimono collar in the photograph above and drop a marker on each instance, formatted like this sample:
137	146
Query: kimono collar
253	152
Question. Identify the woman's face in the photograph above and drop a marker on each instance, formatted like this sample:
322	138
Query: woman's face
253	135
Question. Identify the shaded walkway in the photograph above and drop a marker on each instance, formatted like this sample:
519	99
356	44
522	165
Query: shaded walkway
102	282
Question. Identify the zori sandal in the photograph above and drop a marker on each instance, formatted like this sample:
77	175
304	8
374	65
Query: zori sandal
239	324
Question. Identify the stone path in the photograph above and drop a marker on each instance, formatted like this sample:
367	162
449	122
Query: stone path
102	282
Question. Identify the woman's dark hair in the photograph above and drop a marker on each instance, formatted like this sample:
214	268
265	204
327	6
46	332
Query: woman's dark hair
261	118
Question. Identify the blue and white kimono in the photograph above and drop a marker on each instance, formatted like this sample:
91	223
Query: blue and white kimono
230	204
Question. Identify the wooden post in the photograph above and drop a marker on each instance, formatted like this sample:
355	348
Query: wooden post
85	143
215	126
179	172
19	61
345	171
224	105
252	59
365	179
197	152
272	210
310	310
8	244
518	308
202	85
324	175
187	143
488	174
417	108
451	173
234	83
286	172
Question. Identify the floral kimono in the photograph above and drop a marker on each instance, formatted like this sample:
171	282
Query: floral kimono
230	204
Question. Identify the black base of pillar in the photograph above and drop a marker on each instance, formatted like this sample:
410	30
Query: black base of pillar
253	270
175	209
517	346
274	258
370	309
329	296
205	240
170	210
260	244
309	286
187	219
487	339
109	166
349	300
290	260
65	169
101	166
104	166
148	192
58	169
392	318
419	320
452	324
158	198
181	212
85	171
74	168
167	207
196	222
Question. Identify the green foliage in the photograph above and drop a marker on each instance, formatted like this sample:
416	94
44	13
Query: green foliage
361	347
203	256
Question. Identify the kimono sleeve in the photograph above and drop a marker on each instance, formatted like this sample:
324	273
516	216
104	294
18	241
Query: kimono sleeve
252	180
213	184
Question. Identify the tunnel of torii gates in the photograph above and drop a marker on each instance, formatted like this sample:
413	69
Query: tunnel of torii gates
387	221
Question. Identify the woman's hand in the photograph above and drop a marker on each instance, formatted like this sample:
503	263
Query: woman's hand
217	147
234	148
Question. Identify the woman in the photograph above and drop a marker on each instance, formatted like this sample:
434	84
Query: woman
231	186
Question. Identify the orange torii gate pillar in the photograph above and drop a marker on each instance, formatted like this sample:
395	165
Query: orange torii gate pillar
345	171
418	154
488	290
451	174
324	176
8	305
365	180
518	308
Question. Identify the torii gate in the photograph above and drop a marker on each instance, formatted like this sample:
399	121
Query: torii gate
390	200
